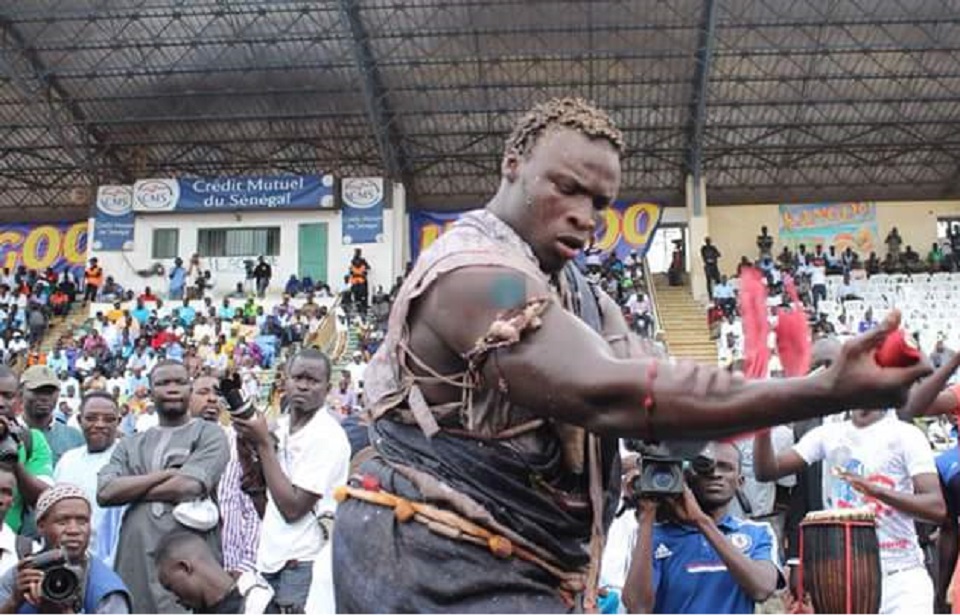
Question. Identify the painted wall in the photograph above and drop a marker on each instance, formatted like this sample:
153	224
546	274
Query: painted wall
383	257
734	228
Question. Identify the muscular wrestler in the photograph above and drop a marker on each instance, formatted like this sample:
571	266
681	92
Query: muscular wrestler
503	383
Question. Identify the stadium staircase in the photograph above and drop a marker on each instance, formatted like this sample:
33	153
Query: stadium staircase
683	321
343	355
59	326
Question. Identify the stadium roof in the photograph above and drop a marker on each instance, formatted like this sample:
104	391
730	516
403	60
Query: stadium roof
806	100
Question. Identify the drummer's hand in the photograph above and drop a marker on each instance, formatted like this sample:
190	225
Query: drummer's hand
800	607
686	509
857	380
859	483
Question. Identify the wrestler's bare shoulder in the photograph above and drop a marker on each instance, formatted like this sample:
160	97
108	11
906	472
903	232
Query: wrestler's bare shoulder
460	305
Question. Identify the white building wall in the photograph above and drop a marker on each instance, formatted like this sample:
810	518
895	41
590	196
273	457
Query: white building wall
383	257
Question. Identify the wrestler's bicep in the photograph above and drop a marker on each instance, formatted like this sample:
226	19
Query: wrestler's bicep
461	306
524	344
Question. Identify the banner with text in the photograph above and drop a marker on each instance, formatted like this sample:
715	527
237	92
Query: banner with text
852	224
113	219
626	226
230	194
61	246
362	215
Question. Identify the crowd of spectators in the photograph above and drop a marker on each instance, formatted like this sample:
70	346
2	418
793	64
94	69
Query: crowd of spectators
623	280
824	277
146	358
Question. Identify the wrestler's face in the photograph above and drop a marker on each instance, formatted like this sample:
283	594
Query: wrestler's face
559	189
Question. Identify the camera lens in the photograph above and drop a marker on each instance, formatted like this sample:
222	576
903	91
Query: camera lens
59	584
662	479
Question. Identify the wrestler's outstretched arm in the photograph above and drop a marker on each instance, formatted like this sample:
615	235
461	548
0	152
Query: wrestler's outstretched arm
564	370
929	398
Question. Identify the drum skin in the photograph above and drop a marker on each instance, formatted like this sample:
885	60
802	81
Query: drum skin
840	565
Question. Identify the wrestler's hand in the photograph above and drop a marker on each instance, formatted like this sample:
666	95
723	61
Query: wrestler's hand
859	382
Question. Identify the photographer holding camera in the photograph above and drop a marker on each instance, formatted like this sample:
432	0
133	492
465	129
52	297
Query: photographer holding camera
26	453
700	559
62	578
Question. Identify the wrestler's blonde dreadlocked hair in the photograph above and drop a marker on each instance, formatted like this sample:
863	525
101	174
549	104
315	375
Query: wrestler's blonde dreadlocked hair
574	113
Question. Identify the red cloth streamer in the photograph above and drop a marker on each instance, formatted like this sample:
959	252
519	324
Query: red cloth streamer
753	309
793	334
756	327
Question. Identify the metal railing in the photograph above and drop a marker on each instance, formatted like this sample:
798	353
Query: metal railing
654	301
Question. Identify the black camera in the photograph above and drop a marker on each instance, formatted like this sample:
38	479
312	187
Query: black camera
231	389
61	578
662	466
659	476
9	443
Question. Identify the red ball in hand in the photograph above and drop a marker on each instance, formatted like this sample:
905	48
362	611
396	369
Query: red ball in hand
897	351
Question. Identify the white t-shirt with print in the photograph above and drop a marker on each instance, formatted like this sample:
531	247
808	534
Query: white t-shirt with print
889	453
316	458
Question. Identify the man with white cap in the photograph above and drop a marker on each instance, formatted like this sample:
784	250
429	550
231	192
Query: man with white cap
63	516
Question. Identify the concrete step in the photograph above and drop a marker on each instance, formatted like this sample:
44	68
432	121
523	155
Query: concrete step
684	323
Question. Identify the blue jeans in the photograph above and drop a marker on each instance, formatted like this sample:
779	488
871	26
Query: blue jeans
291	586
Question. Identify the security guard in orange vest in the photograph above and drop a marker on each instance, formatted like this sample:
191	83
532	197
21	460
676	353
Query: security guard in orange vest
359	271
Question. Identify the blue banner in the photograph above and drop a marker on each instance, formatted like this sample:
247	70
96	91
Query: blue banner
230	194
113	219
362	215
626	226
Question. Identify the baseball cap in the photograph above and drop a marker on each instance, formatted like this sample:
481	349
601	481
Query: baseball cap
36	377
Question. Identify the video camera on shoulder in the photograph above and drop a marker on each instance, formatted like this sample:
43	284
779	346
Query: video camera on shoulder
662	467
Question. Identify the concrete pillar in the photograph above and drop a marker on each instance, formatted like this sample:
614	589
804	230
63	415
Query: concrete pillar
698	228
399	232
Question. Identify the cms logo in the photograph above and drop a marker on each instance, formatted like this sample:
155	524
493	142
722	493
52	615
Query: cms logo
114	200
156	195
362	192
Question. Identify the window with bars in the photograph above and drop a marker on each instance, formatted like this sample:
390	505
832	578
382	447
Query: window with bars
244	242
166	243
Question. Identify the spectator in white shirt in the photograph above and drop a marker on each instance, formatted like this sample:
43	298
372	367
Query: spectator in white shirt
818	281
357	367
877	461
847	290
18	344
118	382
99	419
84	365
310	459
725	296
66	383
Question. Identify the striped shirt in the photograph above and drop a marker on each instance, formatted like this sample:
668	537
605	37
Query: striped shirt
240	531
